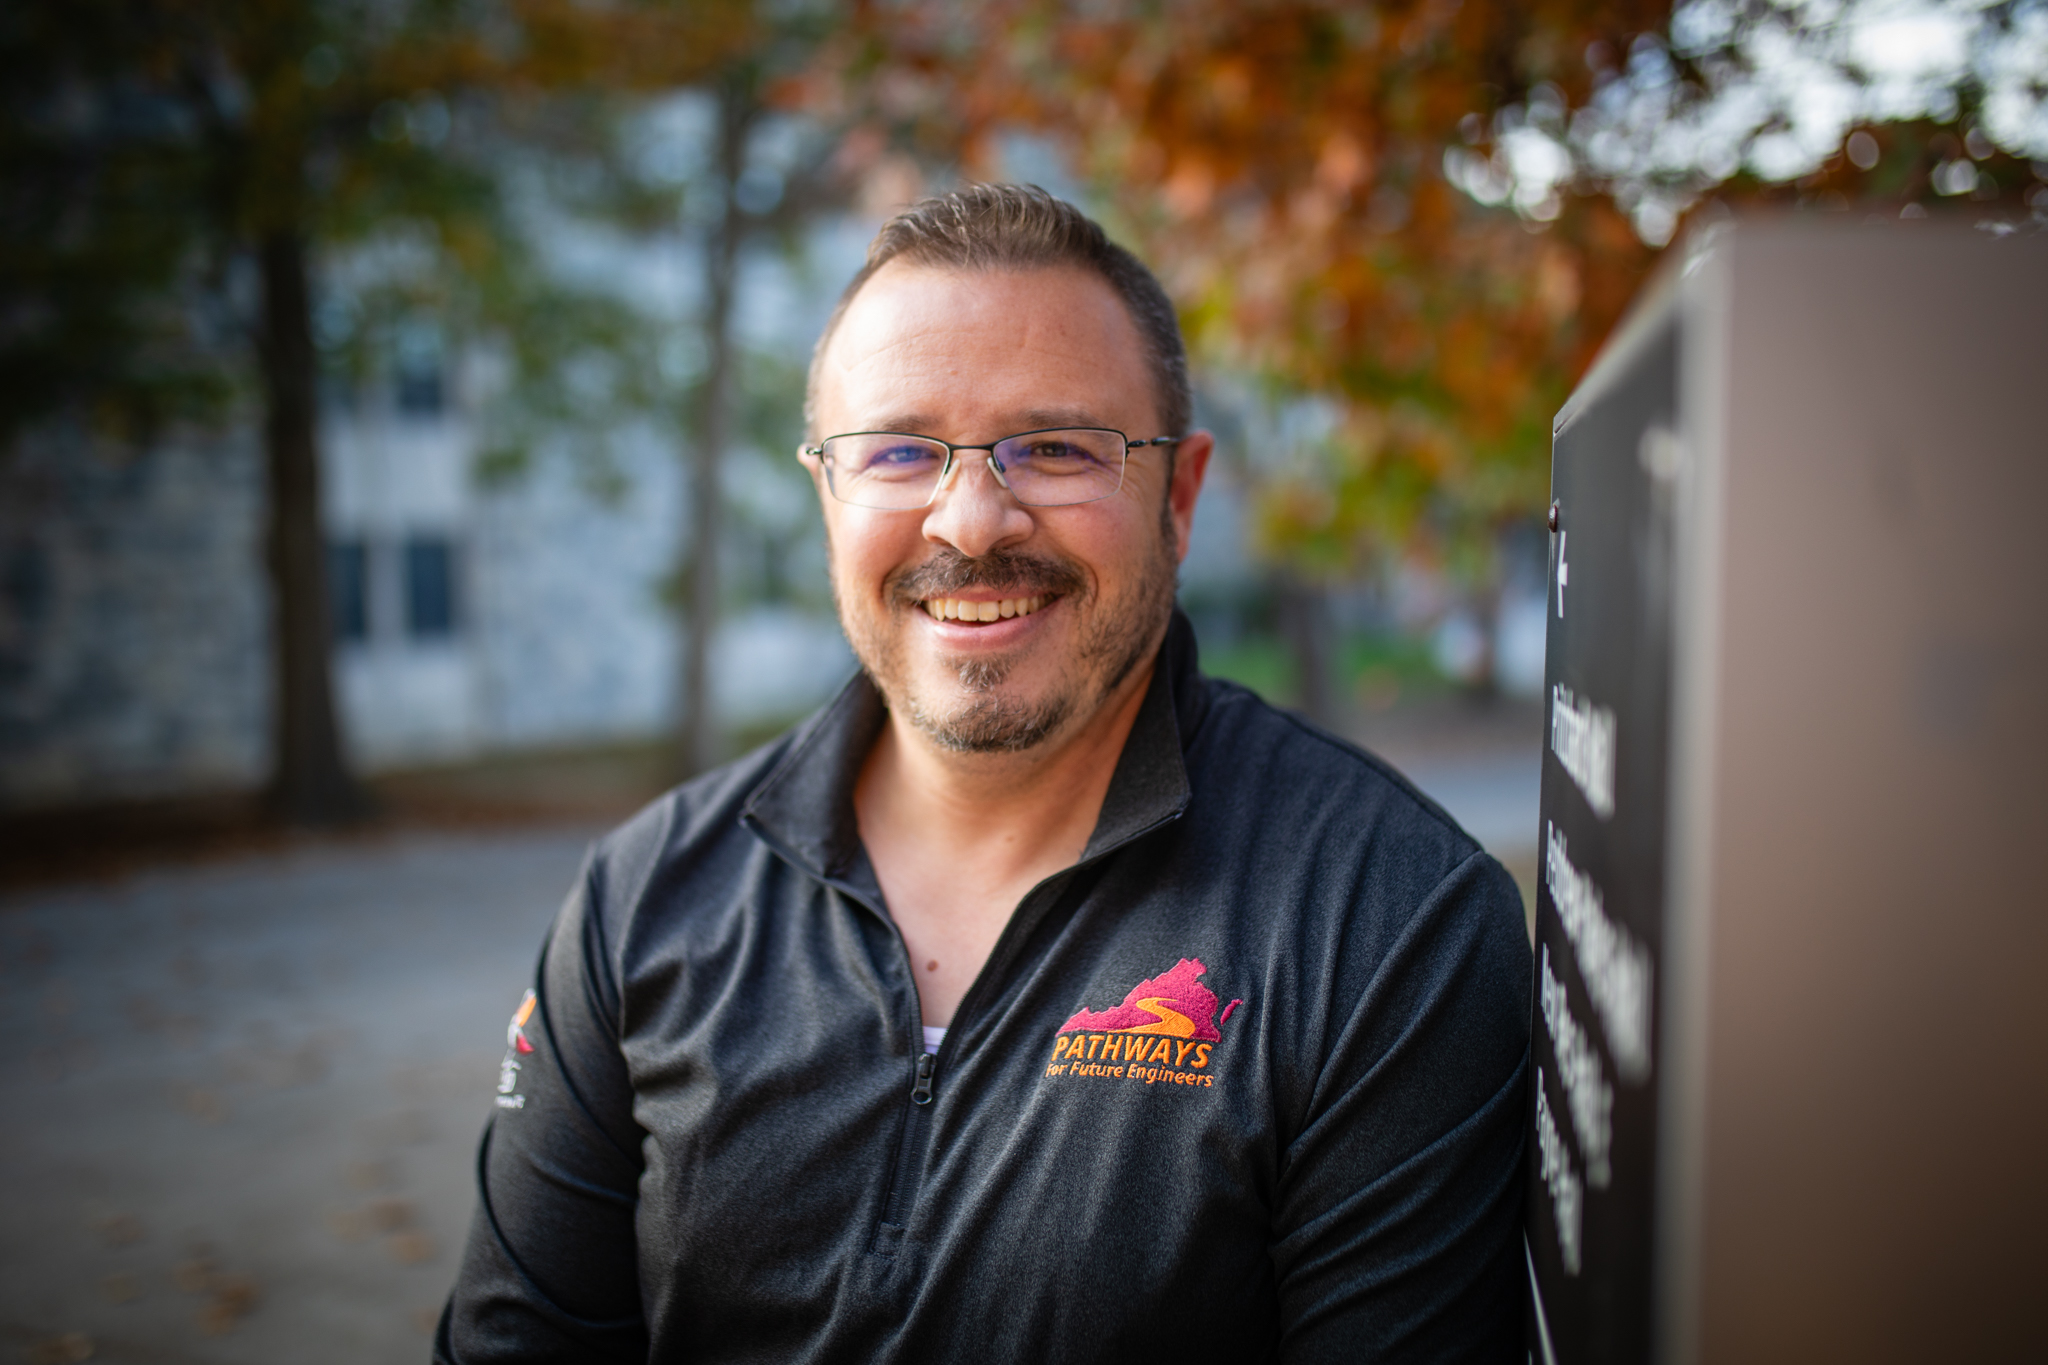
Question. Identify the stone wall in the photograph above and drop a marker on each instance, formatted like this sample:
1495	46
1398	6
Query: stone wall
133	619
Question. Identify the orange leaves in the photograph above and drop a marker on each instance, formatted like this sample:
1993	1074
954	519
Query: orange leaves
1556	284
1191	188
641	46
1278	162
1344	163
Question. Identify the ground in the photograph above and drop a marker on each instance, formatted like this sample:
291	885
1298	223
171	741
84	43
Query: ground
247	1069
246	1095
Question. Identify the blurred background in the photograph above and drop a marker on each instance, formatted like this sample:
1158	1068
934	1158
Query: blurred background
397	413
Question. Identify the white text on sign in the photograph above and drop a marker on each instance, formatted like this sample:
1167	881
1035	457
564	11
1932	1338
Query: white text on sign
1589	1096
1615	967
1567	1196
1582	737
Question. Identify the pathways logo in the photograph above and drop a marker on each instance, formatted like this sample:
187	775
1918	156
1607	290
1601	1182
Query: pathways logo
516	1047
1163	1033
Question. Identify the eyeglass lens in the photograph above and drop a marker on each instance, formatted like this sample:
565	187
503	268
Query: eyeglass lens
1040	468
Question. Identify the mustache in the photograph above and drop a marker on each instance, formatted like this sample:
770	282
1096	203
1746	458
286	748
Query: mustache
1022	575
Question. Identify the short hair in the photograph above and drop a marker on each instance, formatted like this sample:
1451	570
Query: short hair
1021	227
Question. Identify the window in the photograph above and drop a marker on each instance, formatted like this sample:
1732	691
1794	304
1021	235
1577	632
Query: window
419	388
348	589
430	605
419	371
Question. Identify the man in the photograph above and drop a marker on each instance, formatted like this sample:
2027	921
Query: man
1039	999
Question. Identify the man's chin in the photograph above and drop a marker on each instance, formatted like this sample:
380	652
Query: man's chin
987	720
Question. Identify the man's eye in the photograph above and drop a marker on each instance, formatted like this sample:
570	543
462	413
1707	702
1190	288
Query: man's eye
1060	455
1055	452
897	459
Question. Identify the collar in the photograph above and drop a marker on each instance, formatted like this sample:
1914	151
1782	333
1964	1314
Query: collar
804	807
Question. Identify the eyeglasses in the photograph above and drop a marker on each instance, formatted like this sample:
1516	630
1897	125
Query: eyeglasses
1058	467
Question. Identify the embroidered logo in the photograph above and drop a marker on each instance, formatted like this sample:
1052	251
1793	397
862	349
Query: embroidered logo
516	1047
1164	1031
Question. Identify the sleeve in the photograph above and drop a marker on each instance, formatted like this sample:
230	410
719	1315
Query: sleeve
1399	1208
550	1272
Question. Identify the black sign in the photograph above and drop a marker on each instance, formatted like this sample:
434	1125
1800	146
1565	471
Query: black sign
1600	901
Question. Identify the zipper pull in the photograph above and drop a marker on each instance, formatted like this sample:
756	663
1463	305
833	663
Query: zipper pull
921	1093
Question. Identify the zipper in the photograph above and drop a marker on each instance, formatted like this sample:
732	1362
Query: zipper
910	1150
910	1153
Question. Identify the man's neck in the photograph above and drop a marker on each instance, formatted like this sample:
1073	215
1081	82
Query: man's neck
1010	809
957	840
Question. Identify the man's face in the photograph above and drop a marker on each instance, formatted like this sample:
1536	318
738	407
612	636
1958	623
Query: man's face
975	357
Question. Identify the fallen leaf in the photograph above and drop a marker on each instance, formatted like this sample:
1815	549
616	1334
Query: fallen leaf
234	1298
390	1214
64	1350
194	1276
204	1105
410	1248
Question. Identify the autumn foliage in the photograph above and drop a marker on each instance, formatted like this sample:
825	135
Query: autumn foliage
1282	165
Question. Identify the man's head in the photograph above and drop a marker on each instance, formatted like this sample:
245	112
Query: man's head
1017	228
980	315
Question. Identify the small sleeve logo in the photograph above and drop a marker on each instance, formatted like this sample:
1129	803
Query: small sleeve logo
516	1047
1164	1032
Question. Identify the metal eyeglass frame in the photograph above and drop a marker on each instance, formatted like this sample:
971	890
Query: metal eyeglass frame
946	471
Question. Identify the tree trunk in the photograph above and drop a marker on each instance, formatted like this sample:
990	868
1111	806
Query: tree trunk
1304	612
737	110
310	782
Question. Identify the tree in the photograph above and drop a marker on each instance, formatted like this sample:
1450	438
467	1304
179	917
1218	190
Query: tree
1281	165
187	150
742	93
172	153
1848	105
1429	215
740	198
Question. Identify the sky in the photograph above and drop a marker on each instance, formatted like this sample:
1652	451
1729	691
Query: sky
1785	89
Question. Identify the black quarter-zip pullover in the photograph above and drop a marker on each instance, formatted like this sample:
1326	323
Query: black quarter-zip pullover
1245	1083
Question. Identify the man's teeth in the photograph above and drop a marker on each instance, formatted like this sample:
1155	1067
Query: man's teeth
953	609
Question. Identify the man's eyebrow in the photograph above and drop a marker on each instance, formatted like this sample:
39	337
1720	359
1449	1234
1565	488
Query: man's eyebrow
1034	419
1040	418
909	423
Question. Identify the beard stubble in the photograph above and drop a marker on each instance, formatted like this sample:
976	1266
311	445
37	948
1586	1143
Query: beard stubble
1115	638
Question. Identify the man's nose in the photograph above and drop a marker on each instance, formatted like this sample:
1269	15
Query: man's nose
973	512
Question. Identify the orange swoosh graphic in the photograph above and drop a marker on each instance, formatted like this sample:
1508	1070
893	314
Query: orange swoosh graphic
1172	1023
1192	1013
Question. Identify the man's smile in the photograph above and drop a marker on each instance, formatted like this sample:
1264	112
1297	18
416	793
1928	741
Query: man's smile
970	611
982	603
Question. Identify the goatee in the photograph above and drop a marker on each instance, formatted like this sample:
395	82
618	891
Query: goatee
1114	639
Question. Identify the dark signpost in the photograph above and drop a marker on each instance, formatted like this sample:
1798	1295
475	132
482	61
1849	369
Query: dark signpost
1600	898
1791	996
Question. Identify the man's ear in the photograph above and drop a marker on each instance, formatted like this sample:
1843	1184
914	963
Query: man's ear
814	466
1190	467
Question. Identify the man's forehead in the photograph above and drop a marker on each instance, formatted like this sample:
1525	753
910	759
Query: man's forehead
916	330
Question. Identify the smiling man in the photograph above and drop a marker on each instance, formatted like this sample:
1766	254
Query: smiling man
1038	999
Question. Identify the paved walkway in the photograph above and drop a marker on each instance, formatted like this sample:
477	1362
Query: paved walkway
1494	796
244	1099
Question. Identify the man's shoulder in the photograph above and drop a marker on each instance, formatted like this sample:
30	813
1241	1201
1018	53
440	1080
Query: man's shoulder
1337	865
685	825
1282	770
